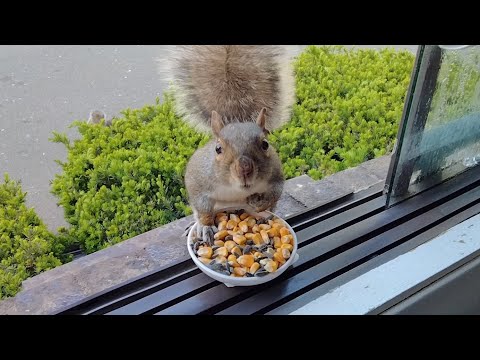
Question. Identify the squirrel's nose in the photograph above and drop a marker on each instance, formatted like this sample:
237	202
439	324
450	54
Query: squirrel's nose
245	166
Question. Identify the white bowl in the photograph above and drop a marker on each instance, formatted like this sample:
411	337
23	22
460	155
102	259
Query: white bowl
231	281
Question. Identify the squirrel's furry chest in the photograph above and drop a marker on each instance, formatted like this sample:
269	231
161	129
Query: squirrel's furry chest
230	196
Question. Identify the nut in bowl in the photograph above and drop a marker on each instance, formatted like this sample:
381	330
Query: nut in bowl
249	248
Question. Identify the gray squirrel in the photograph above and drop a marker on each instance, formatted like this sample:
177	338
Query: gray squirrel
96	116
240	93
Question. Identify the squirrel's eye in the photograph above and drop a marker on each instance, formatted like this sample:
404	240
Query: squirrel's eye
265	145
218	149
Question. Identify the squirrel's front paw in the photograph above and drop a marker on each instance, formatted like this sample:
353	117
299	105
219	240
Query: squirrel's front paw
259	202
206	233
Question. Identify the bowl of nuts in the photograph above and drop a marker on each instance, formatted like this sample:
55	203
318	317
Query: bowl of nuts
248	248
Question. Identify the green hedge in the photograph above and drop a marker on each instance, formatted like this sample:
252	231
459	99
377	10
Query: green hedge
349	103
126	179
123	180
26	246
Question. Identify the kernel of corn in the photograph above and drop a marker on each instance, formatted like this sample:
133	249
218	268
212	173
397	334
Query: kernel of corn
243	226
244	216
278	257
205	260
236	251
284	231
221	259
286	253
287	239
230	245
264	261
251	221
265	236
231	224
235	218
239	239
253	269
220	235
234	263
272	232
257	255
271	266
205	251
246	260
240	271
222	225
219	243
249	236
257	239
277	243
289	247
221	218
221	251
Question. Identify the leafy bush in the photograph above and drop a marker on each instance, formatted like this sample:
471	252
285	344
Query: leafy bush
349	103
26	246
126	179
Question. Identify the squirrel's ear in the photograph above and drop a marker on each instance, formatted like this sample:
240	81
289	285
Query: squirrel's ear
261	119
217	123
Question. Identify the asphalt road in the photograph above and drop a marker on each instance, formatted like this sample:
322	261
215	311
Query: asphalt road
44	88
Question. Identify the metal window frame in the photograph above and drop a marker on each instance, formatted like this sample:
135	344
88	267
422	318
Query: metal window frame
414	117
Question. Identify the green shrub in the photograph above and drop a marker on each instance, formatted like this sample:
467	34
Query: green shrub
26	246
349	103
125	179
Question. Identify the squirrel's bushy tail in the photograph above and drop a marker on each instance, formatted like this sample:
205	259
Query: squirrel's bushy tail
236	81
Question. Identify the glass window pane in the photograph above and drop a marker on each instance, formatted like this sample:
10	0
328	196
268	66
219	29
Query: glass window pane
440	134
